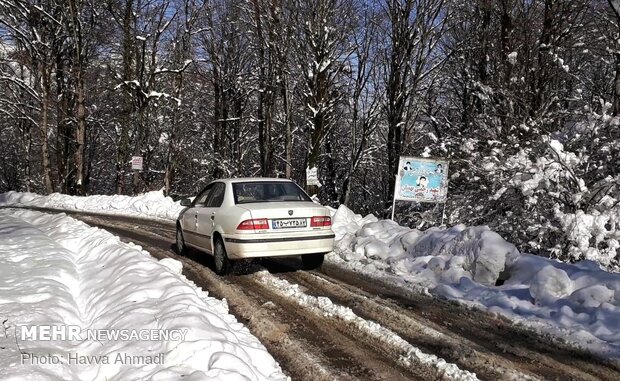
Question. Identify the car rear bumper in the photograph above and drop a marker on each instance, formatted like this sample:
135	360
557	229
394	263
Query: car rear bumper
255	246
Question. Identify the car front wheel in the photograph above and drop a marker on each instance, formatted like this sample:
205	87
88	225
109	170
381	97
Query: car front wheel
222	263
181	248
312	261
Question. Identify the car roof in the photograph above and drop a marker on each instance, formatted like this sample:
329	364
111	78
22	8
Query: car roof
250	179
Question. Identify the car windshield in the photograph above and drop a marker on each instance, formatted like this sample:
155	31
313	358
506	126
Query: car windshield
268	191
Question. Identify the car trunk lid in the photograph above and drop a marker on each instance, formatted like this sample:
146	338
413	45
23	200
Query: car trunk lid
285	217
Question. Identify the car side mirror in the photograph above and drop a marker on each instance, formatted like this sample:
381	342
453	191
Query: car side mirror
186	202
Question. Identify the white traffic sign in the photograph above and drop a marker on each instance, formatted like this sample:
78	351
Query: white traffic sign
136	163
312	176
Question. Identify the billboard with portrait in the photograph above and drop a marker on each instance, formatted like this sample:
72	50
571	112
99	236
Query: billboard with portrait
422	180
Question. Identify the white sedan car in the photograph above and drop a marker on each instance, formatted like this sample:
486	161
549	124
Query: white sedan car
252	218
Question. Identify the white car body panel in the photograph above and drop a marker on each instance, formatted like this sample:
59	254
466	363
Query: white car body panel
201	224
240	246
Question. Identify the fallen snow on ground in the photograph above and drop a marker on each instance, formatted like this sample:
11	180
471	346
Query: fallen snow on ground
56	271
410	355
579	302
148	205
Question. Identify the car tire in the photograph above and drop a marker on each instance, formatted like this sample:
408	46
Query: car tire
312	261
220	258
181	247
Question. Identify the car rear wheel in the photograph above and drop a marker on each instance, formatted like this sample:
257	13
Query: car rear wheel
222	263
181	248
312	261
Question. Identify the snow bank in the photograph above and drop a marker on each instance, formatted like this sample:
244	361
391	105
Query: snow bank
448	255
57	271
148	205
580	302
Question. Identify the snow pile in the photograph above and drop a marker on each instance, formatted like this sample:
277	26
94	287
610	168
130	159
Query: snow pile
148	205
59	272
476	266
345	224
448	255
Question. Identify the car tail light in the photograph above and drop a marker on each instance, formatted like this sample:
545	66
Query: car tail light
319	221
257	224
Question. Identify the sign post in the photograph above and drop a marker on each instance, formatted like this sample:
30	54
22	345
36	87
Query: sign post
394	199
421	180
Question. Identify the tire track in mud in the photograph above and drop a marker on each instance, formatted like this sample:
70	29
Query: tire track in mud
433	338
540	353
463	352
491	346
306	345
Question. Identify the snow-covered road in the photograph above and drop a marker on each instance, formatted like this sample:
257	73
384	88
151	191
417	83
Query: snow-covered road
335	323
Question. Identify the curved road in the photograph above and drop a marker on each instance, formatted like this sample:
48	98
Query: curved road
365	329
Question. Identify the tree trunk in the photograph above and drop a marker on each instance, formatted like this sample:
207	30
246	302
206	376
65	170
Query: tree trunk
80	133
27	138
122	154
544	47
220	114
63	137
263	107
139	183
330	167
78	72
397	85
615	6
288	138
46	163
616	101
28	150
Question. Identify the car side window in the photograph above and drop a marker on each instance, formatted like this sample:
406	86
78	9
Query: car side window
201	199
217	196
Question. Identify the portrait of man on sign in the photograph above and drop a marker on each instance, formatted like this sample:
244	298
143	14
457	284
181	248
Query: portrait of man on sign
422	182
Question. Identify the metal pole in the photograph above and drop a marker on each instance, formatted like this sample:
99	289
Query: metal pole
394	196
443	213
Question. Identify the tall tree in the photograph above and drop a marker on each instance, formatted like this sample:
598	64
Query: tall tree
414	29
322	53
615	6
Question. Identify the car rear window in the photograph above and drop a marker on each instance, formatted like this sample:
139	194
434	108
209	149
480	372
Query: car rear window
268	191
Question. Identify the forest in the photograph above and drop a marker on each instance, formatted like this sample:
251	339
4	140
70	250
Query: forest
521	96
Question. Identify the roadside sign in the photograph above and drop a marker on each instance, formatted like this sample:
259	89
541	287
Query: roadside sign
312	176
136	163
422	180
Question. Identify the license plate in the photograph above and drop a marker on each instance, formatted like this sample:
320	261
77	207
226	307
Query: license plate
289	223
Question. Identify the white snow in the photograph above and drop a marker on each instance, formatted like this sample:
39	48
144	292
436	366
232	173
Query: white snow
512	58
579	302
59	272
148	205
593	235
